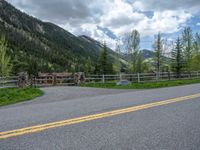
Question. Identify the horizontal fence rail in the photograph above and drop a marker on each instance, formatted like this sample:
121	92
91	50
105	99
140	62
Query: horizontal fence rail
141	77
45	81
9	82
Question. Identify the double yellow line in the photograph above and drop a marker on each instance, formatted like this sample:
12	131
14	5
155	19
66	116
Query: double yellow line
42	127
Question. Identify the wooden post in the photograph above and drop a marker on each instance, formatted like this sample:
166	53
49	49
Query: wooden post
157	78
103	78
54	80
169	75
138	76
120	76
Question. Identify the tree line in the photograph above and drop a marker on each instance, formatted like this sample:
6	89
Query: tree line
183	56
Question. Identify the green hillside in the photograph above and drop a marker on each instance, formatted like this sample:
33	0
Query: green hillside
33	42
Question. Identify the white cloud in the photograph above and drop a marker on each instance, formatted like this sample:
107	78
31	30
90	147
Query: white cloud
118	16
121	17
162	5
164	22
198	24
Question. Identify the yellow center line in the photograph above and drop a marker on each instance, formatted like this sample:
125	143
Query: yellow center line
42	127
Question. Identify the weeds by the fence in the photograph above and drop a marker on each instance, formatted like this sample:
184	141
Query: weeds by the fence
143	85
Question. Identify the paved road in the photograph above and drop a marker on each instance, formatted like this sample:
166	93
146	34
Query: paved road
166	127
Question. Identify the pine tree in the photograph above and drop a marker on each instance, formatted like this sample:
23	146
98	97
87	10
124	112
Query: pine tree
5	65
103	61
104	65
158	48
33	67
177	58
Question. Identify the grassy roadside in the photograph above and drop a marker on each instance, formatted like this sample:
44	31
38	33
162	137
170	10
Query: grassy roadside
13	95
149	85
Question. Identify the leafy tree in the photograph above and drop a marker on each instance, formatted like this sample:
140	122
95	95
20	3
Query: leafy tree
88	66
187	37
5	65
117	65
158	48
196	57
177	58
140	63
197	43
132	45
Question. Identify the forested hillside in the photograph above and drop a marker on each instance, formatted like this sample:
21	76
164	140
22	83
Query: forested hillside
39	46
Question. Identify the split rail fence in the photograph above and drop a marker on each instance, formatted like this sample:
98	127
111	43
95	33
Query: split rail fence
13	81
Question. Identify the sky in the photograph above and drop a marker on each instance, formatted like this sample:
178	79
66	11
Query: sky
109	20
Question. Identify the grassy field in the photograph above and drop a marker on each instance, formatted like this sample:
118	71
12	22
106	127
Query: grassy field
148	85
14	95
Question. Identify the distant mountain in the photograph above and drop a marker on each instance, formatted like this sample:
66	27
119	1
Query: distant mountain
49	46
96	44
147	53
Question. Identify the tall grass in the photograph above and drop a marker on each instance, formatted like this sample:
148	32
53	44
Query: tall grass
14	95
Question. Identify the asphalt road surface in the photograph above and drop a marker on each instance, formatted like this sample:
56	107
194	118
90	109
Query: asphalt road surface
72	118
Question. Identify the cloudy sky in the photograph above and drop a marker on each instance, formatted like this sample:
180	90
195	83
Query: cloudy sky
110	19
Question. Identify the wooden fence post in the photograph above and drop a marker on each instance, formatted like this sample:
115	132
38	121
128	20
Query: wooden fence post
138	77
120	76
54	80
157	76
103	78
169	75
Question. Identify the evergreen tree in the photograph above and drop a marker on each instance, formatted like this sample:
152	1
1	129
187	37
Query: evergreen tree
158	48
33	67
5	65
177	58
105	66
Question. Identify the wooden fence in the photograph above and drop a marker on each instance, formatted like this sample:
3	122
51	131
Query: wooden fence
52	80
141	77
8	82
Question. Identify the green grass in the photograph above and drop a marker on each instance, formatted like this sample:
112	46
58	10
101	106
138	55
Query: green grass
14	95
149	85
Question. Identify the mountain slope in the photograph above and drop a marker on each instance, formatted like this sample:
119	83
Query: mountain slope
51	47
35	45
